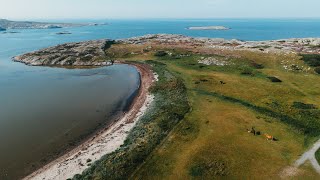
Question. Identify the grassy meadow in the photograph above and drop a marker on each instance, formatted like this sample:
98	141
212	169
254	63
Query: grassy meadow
209	137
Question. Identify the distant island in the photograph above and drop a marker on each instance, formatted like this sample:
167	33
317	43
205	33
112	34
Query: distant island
9	32
7	24
209	28
63	33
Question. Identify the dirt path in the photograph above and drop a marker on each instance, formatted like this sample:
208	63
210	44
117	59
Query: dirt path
294	171
105	141
310	155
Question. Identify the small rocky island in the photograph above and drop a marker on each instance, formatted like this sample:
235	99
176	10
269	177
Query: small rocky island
7	24
209	28
2	29
63	33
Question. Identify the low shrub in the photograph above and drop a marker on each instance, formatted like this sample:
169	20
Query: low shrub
246	70
196	171
160	54
208	167
300	105
257	65
274	79
312	60
317	70
317	155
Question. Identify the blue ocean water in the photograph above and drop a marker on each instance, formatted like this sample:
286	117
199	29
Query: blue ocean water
38	104
242	29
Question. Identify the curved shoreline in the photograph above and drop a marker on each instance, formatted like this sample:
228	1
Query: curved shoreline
103	142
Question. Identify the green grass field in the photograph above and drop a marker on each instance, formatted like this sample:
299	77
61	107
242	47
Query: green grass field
211	140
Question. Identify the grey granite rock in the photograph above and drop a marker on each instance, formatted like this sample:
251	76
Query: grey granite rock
88	53
92	53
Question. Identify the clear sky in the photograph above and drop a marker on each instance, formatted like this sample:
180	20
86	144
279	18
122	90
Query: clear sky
108	9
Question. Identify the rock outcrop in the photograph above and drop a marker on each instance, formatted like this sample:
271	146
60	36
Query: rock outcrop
214	61
88	53
299	45
92	53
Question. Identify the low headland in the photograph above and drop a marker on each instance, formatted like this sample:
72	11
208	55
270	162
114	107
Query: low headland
217	109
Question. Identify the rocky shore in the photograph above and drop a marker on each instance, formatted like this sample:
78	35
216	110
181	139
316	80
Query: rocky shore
299	45
88	53
92	53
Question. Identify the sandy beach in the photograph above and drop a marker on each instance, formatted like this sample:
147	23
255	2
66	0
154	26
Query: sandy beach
103	142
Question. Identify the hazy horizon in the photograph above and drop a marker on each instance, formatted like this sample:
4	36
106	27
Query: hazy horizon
143	9
160	19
